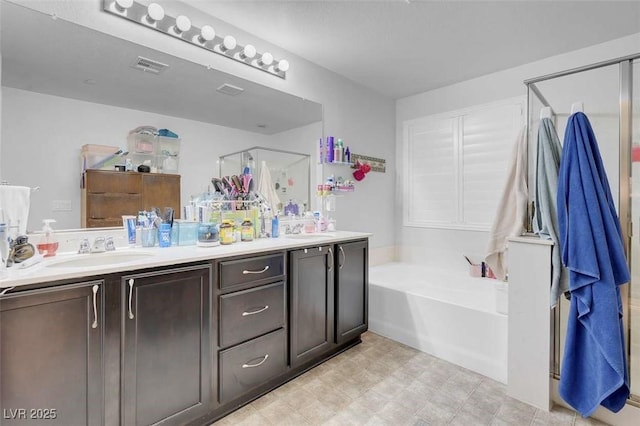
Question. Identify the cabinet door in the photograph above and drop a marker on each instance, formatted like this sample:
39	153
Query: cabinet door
161	190
51	356
312	303
351	290
166	344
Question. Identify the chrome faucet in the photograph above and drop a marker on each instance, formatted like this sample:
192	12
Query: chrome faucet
100	245
84	246
109	245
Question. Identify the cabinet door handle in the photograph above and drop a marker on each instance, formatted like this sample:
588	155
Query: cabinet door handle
95	307
344	257
265	269
258	364
331	257
130	296
244	314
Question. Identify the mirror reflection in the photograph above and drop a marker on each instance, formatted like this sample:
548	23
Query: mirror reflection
65	86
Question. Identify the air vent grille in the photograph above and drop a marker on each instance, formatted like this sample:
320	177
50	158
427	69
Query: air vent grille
230	89
149	65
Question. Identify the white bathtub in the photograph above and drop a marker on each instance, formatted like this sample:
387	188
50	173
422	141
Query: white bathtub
445	313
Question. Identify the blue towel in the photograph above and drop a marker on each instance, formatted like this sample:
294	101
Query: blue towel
594	368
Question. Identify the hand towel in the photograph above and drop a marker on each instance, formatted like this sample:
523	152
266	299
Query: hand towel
545	221
594	369
511	214
14	202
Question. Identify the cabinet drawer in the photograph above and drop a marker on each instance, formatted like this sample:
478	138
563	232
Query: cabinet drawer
251	364
254	269
112	206
250	313
117	182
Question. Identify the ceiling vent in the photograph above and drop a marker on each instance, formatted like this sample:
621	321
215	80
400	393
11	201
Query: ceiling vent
149	65
230	89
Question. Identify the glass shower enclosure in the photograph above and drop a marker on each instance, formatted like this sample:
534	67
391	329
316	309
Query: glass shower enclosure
610	94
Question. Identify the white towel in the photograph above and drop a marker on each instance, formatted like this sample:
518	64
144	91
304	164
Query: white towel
511	215
14	203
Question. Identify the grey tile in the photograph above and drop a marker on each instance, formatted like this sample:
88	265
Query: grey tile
389	386
394	413
515	412
435	414
464	418
377	421
371	400
276	411
558	416
473	415
349	416
317	413
410	400
489	401
382	382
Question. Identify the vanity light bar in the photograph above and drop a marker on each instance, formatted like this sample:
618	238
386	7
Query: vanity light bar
154	17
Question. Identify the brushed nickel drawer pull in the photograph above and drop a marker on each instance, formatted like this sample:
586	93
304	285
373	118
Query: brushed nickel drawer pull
130	296
256	365
344	257
95	308
244	314
265	269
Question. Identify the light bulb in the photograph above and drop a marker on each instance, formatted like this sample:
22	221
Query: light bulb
183	24
123	5
228	43
283	65
207	33
267	59
249	52
155	13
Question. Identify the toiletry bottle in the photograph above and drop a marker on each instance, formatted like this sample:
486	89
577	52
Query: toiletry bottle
48	244
330	147
336	151
341	150
347	155
321	152
275	227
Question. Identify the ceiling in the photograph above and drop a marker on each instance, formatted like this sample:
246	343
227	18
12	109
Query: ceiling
403	47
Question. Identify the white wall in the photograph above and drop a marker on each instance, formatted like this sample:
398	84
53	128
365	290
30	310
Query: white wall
363	118
446	247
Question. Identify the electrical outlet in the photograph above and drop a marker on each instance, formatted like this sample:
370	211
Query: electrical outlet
61	205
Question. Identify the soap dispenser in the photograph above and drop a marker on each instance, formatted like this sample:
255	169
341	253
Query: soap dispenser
48	244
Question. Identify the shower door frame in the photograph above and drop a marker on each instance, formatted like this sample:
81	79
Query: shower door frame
625	66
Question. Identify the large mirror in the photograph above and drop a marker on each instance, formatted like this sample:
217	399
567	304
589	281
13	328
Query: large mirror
64	86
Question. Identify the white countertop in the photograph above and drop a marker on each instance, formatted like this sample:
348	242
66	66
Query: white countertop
42	272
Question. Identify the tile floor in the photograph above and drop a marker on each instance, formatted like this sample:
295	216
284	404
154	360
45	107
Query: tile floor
382	382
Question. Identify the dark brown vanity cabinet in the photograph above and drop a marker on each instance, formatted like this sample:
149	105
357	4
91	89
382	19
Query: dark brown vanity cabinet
352	278
311	281
166	342
252	323
51	356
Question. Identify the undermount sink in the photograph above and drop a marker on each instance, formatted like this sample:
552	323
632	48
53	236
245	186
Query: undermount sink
308	236
100	259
